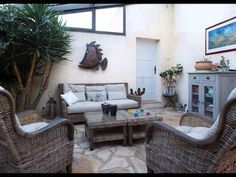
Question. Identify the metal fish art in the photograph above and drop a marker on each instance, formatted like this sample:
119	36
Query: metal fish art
93	57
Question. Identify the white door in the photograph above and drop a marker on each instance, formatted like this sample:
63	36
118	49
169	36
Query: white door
146	55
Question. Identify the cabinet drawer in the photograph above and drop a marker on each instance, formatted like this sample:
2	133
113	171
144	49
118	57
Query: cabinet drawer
208	78
195	77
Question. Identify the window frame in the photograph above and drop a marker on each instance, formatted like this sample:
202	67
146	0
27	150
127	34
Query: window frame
93	30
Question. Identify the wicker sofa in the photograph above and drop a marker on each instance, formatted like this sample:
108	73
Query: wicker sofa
75	113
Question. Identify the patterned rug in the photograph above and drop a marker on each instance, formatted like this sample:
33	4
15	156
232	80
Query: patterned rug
112	157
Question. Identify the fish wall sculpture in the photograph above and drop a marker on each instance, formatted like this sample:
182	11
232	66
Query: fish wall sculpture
93	57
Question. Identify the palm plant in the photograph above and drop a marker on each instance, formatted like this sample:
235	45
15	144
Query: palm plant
31	40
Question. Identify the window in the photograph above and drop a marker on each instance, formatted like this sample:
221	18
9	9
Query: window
110	19
106	20
78	20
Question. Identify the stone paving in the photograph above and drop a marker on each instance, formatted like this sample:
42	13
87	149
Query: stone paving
112	157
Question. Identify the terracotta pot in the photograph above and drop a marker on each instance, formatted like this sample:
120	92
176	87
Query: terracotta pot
203	65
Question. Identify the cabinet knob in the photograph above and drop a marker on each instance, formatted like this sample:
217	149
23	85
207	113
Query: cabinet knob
194	77
207	78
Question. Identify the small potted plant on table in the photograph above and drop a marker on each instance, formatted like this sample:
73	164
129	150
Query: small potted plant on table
204	64
169	76
224	64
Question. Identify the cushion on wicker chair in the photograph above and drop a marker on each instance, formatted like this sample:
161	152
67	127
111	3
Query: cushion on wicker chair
17	121
33	126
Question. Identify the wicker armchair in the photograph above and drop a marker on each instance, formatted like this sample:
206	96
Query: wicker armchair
171	151
47	150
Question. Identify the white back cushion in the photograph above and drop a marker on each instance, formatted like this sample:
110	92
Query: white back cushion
116	91
95	88
116	95
70	98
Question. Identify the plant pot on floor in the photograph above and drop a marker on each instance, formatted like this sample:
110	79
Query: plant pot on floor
169	90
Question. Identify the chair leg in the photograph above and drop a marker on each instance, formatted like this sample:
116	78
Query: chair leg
149	170
69	168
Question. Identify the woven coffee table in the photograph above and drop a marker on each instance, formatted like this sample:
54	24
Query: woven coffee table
137	125
100	127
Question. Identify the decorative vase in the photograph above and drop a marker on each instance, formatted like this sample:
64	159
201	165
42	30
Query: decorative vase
105	108
226	68
203	65
113	110
169	91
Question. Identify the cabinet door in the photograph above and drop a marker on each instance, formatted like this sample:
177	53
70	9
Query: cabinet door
195	98
208	100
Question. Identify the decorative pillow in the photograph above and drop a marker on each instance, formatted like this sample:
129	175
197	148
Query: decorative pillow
70	98
96	96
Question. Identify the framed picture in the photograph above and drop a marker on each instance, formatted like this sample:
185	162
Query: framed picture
221	37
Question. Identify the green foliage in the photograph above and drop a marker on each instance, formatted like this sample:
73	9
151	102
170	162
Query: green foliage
33	29
224	62
204	58
169	75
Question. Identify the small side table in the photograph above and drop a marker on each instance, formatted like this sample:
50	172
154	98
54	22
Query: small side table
171	100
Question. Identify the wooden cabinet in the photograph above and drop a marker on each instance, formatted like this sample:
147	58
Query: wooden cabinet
208	91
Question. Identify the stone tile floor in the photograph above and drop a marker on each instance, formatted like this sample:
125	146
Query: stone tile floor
112	157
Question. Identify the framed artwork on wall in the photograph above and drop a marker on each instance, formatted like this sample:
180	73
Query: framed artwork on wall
221	37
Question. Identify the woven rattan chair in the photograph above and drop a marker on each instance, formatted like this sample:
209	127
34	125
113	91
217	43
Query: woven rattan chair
171	151
47	150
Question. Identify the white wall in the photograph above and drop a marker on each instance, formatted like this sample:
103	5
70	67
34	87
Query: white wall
190	22
153	21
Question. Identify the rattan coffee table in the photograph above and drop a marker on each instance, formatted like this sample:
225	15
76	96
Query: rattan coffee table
100	127
137	125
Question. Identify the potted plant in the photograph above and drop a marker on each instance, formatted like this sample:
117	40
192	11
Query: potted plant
170	76
204	64
32	39
224	64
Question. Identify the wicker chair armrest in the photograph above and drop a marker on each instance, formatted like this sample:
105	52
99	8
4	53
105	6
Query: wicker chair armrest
195	120
135	98
29	116
165	129
51	126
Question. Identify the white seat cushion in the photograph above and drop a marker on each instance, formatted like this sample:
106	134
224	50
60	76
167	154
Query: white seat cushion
196	135
124	103
86	106
184	129
203	132
33	126
80	107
